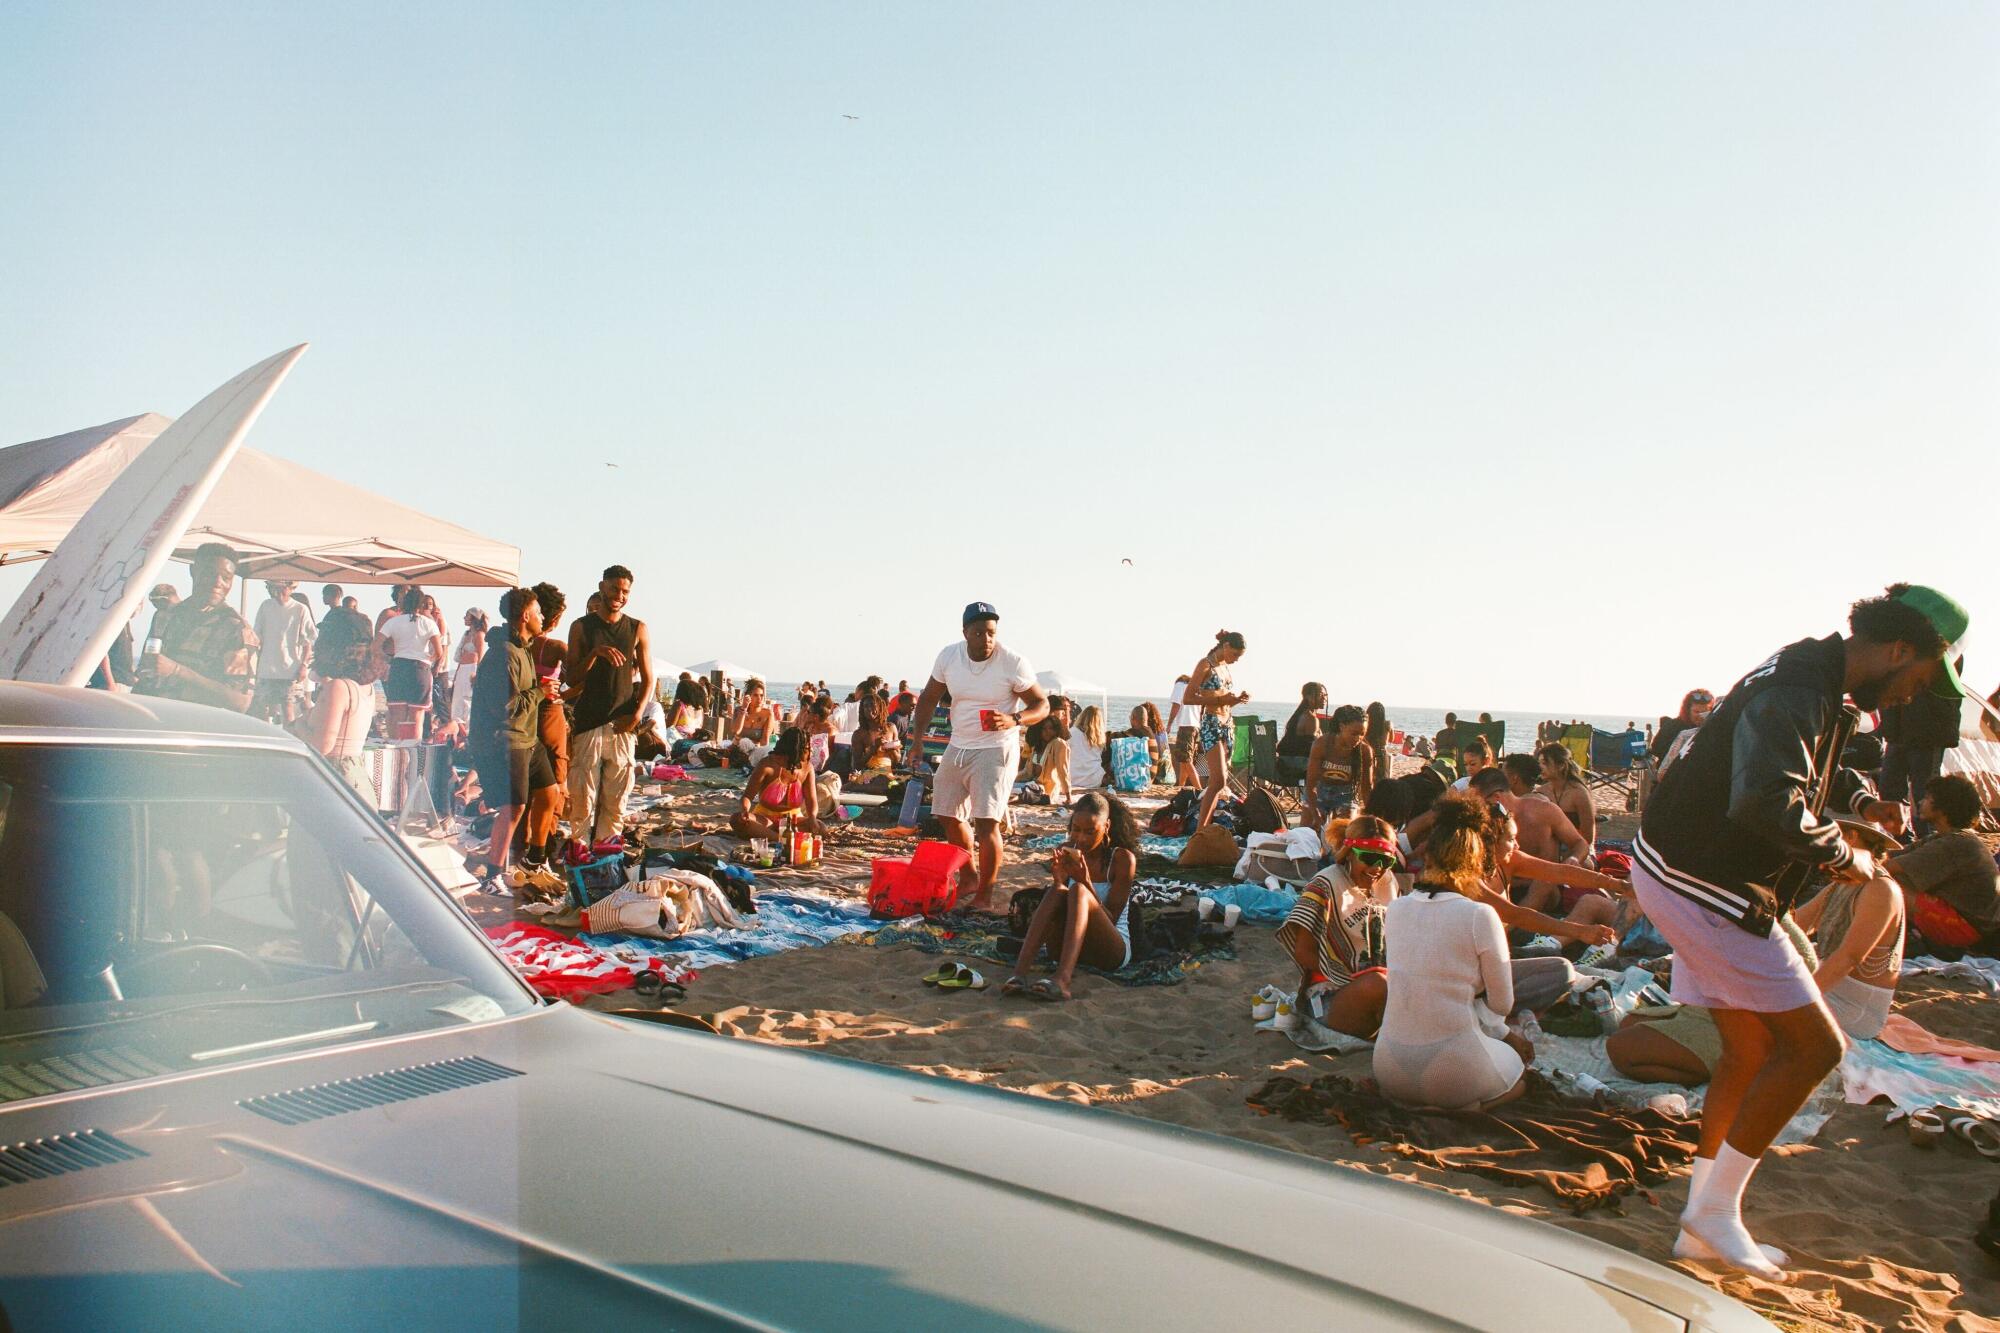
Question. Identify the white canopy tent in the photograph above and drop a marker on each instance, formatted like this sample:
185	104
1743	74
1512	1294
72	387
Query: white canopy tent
1075	688
729	669
287	521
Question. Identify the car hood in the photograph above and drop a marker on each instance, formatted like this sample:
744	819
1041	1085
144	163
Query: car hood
568	1164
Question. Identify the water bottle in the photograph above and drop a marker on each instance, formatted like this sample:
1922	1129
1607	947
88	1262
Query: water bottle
1600	1002
149	658
913	801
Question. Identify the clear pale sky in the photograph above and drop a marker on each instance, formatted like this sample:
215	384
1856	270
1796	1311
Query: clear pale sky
1507	356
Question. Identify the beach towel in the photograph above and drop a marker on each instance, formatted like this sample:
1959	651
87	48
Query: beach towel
786	919
1903	1033
979	937
1871	1069
562	966
1585	1156
1984	970
1256	902
1580	1062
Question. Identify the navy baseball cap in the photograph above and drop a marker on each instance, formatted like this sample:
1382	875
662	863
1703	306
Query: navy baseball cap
979	611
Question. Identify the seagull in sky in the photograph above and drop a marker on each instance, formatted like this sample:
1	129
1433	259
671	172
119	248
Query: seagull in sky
845	116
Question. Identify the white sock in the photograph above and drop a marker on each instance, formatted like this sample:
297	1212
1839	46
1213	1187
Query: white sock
1714	1216
1698	1248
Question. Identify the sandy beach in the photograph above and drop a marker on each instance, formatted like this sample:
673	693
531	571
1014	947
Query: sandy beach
1879	1232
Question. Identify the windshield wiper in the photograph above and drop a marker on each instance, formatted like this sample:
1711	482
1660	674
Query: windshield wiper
236	1002
250	1047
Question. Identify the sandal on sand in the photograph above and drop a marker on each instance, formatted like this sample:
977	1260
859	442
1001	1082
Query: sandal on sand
1013	986
1973	1129
942	971
962	978
1926	1128
1044	988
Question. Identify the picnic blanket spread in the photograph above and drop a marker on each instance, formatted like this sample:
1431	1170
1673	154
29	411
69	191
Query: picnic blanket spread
565	967
1586	1156
786	919
982	937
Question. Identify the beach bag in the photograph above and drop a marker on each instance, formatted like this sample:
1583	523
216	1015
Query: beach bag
1167	922
1131	765
1021	909
1261	813
1210	846
597	879
924	885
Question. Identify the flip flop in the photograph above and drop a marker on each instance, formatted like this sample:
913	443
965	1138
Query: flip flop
1044	988
1925	1128
1974	1130
934	977
1012	986
962	978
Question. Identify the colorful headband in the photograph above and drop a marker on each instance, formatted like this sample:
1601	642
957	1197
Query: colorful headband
1382	845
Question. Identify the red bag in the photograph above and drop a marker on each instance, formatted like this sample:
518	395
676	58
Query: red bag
924	885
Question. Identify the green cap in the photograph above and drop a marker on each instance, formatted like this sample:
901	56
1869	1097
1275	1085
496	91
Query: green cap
1950	620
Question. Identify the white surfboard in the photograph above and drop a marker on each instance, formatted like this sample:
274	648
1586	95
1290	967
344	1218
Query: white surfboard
64	623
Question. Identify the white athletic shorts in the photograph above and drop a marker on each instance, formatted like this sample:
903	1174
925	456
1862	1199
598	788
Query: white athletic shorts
974	784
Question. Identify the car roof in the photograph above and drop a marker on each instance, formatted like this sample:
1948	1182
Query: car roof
102	715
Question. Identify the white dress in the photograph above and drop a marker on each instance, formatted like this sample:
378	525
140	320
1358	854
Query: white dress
1450	990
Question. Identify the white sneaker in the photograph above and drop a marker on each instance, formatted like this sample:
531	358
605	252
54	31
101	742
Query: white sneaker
1597	955
1544	942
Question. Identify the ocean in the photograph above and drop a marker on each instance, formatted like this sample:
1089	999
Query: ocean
1416	721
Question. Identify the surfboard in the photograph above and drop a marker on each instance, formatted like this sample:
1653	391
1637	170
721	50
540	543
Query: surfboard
63	624
865	799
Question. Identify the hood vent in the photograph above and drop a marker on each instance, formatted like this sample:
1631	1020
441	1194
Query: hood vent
62	1154
391	1085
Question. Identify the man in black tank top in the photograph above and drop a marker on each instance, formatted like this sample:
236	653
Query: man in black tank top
607	677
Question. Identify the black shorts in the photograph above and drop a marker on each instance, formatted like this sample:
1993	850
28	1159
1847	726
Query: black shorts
508	777
409	682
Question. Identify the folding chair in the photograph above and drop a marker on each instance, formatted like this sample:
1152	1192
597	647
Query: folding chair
1578	740
1616	758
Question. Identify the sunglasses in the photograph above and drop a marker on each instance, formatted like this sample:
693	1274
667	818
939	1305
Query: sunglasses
1702	697
1380	860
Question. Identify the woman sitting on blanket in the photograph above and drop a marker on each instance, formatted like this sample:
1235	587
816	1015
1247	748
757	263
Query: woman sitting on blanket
1444	1041
1859	930
1334	933
1083	915
874	747
781	787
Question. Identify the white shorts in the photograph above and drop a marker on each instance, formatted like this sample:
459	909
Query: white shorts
1717	963
974	784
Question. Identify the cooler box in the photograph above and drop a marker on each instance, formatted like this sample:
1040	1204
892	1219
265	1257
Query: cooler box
924	885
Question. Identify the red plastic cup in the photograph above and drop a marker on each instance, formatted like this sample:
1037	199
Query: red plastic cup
986	719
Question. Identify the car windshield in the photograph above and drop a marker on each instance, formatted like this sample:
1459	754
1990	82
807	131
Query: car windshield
166	909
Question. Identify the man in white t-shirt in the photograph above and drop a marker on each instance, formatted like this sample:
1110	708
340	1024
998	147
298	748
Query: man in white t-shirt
285	637
993	696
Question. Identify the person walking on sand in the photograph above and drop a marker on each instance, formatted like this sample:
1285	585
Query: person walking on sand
605	648
993	697
1211	689
1726	820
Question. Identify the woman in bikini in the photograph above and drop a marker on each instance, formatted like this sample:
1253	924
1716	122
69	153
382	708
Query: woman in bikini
1083	915
781	787
1334	933
1340	768
1212	689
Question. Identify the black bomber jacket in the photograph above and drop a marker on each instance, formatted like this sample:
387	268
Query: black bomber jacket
1735	809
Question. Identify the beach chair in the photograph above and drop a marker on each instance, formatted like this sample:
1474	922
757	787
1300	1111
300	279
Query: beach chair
1494	732
1579	741
1616	760
1264	751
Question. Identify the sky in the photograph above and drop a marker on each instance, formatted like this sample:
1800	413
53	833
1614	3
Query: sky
1509	356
